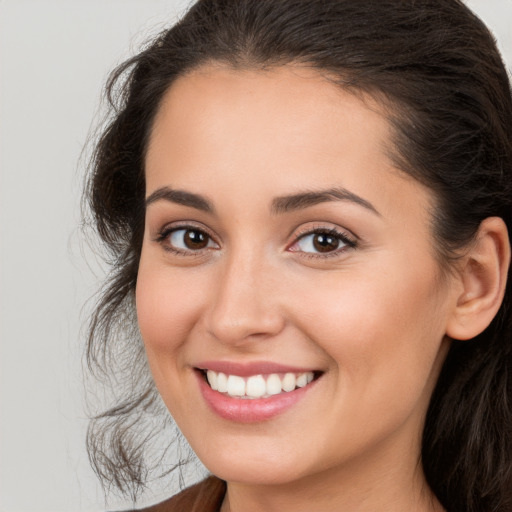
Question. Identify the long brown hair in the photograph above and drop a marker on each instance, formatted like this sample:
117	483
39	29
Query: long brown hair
436	66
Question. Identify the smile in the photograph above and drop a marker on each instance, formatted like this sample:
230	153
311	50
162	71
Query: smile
253	393
257	386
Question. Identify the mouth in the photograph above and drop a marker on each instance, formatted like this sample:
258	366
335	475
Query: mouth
256	391
258	386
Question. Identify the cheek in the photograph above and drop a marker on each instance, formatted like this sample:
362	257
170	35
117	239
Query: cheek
383	341
167	308
379	328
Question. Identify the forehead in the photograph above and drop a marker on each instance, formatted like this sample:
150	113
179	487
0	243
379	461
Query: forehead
218	93
291	108
282	128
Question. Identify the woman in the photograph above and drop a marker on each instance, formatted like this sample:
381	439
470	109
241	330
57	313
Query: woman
308	205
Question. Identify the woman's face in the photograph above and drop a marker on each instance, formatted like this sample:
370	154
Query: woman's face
282	245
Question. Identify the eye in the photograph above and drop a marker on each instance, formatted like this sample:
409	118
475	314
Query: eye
322	242
186	239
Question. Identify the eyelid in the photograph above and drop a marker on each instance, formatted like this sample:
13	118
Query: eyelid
349	240
163	234
323	227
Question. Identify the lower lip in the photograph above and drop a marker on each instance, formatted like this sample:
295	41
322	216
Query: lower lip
242	410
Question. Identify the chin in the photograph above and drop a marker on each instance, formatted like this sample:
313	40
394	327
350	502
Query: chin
254	474
259	465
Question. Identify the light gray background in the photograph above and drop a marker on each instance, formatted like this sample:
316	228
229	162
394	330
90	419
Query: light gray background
54	58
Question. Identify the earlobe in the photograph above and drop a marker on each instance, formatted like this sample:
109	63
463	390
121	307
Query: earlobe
483	275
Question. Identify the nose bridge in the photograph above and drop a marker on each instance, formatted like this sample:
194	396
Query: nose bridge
243	305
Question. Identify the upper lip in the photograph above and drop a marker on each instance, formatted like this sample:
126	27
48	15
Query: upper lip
252	368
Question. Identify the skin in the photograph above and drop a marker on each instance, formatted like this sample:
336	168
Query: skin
373	318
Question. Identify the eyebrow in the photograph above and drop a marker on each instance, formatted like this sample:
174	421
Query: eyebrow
181	197
283	204
303	200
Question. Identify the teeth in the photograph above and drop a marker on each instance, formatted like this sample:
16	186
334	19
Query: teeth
273	384
289	382
236	386
212	379
256	386
222	383
302	380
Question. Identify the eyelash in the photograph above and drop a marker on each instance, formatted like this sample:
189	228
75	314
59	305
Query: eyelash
349	241
166	232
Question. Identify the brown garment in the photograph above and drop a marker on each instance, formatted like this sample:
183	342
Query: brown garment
206	496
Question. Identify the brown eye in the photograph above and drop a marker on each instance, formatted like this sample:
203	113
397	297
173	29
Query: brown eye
189	239
195	239
324	242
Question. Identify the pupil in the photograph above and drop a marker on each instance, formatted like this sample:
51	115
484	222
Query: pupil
325	243
195	239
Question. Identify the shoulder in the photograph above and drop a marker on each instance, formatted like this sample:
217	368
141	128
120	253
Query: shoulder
205	496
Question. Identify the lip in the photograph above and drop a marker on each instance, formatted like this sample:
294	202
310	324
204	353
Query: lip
253	368
241	410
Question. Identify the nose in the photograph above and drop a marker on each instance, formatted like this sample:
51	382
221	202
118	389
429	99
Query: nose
244	305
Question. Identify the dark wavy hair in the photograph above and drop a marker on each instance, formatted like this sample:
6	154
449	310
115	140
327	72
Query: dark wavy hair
435	67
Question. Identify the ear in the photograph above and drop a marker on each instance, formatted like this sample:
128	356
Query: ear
483	276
